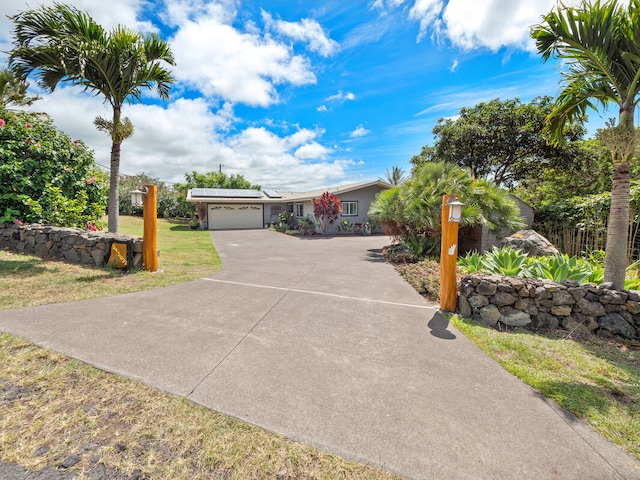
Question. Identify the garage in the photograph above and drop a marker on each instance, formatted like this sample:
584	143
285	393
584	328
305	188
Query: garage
234	216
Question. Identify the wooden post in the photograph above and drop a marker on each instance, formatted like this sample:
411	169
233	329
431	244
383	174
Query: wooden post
448	258
150	234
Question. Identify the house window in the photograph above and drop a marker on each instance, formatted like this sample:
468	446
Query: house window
299	210
289	207
349	209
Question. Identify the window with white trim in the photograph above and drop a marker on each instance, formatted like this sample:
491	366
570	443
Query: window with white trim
349	209
299	209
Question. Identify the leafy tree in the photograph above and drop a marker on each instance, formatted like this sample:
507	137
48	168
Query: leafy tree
395	176
13	90
589	173
169	204
213	179
412	211
598	42
326	209
501	140
62	44
45	177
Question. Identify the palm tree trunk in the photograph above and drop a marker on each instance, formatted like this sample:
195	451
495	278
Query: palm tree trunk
114	177
615	263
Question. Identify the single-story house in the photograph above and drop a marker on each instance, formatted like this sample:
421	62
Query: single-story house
481	239
220	208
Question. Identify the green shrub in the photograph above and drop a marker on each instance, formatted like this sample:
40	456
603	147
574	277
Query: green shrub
46	177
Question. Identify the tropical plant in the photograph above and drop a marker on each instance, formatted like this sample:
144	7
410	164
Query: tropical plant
45	177
560	267
59	43
326	209
471	263
599	43
415	207
395	176
306	225
506	261
13	90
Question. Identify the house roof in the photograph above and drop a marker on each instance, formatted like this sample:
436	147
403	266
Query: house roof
225	195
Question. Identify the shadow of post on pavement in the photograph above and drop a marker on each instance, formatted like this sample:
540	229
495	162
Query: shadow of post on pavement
438	325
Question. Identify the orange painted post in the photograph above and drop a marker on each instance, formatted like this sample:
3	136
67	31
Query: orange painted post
448	258
150	234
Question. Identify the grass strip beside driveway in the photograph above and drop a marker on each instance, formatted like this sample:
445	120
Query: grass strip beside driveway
597	380
53	409
27	280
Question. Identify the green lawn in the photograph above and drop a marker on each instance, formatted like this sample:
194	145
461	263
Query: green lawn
184	255
598	380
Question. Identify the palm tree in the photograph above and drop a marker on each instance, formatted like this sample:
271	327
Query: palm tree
13	90
62	44
395	176
414	208
599	43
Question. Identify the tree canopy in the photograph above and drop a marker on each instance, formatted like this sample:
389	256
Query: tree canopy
501	140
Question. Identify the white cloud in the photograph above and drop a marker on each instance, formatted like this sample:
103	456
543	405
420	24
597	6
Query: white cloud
341	97
312	151
492	24
426	12
185	135
322	108
306	30
220	61
454	66
360	131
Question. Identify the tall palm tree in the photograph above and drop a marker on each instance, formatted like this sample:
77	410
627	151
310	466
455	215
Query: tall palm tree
395	176
600	44
62	44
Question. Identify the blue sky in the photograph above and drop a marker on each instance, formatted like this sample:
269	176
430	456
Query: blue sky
297	95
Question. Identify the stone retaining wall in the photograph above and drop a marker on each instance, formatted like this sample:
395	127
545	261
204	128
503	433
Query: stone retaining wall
534	304
72	244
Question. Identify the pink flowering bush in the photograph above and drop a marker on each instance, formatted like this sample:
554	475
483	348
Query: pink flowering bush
43	174
1	122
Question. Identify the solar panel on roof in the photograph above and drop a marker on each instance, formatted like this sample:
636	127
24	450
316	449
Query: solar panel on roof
272	194
225	193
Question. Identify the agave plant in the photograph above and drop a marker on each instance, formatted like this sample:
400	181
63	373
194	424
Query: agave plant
506	261
560	267
471	263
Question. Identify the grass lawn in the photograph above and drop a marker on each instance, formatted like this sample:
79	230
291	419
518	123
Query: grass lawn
184	255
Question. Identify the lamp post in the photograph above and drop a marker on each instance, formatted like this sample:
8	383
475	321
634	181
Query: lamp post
147	199
451	215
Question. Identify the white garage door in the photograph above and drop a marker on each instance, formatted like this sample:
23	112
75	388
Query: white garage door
235	216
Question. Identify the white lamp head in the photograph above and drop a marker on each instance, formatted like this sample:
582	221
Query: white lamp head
137	197
455	209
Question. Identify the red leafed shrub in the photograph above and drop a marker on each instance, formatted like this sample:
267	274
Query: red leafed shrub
326	208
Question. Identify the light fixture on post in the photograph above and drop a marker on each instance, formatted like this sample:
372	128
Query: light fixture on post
147	199
137	197
455	209
451	216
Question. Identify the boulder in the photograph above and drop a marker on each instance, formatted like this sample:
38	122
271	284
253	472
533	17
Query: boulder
616	324
531	242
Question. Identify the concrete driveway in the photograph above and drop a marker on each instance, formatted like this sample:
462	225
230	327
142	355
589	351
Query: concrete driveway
320	340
